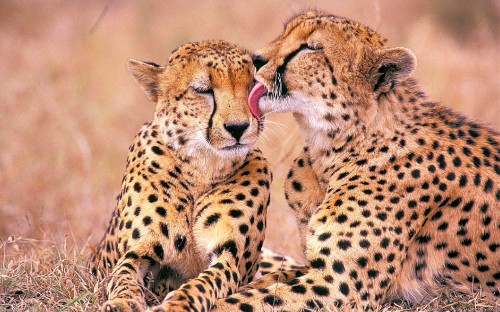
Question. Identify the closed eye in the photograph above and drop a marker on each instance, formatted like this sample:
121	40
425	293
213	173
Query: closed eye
314	46
203	90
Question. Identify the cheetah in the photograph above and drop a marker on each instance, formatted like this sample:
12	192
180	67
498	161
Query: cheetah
190	218
395	195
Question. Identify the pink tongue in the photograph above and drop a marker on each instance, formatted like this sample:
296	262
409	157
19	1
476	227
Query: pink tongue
253	99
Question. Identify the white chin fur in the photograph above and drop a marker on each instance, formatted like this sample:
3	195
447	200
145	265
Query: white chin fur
200	148
309	107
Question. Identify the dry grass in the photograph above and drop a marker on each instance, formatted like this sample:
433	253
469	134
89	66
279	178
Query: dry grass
48	276
69	110
45	276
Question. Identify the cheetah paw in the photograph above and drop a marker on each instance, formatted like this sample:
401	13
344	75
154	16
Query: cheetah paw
122	305
169	307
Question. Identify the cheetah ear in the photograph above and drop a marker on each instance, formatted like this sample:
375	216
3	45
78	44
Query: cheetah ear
393	65
146	76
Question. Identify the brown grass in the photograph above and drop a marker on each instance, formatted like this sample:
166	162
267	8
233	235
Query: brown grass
69	110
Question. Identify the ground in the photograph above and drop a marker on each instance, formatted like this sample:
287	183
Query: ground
45	276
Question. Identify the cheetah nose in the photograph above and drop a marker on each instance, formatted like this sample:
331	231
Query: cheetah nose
258	61
236	129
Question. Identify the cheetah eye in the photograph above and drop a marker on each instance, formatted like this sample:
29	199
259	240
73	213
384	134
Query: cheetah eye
314	46
203	90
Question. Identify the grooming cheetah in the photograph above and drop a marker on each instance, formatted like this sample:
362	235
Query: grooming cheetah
190	217
394	195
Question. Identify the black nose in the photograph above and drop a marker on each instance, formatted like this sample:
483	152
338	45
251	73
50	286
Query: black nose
258	61
236	129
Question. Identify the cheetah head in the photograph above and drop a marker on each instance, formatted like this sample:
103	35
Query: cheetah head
324	69
201	97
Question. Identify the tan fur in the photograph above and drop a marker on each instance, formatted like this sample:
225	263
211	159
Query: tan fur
394	195
190	218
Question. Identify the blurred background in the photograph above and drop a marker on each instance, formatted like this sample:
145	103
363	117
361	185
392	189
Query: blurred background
69	109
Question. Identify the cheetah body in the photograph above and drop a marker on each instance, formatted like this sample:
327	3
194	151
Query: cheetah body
190	217
394	195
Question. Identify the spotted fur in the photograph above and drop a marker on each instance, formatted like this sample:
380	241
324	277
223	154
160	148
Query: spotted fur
395	195
190	218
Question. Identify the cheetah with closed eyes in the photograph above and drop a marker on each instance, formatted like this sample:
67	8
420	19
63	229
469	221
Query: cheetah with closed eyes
395	195
190	217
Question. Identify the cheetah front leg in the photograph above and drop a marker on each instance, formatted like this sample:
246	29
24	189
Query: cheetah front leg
229	230
125	290
303	192
352	261
304	195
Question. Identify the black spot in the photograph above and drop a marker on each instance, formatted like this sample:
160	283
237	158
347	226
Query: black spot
364	244
260	225
254	191
325	251
477	179
245	307
463	181
443	226
297	186
441	162
384	243
468	206
496	275
164	229
466	241
229	245
344	289
382	216
235	213
299	289
273	300
157	150
338	267
415	173
147	220
201	288
423	239
243	229
453	253
451	266
212	219
395	200
180	242
456	202
488	185
232	300
152	198
136	234
318	263
131	255
372	273
128	225
324	236
476	161
362	261
158	249
344	244
483	268
320	290
341	218
161	211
